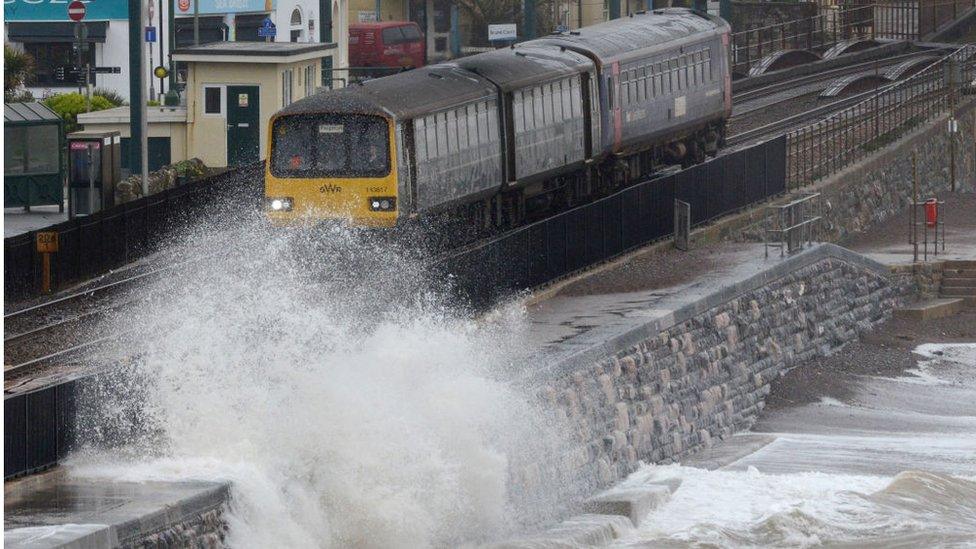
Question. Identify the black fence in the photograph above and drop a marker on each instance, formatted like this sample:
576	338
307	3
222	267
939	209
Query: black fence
91	245
37	428
570	241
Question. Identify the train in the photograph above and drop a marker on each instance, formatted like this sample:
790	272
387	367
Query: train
502	137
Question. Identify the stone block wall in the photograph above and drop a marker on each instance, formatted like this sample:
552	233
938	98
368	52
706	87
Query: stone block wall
880	187
706	375
204	530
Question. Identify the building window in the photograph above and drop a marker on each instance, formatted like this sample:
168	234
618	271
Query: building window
212	100
309	80
51	55
286	81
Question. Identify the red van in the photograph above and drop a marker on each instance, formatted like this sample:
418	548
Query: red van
386	44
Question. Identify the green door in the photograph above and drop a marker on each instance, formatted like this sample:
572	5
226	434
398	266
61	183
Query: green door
243	125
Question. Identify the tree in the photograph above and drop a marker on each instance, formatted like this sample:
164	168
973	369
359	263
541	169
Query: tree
69	105
18	70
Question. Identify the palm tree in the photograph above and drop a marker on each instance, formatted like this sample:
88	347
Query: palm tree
18	69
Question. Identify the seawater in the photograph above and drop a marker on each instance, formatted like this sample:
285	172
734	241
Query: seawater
348	403
820	483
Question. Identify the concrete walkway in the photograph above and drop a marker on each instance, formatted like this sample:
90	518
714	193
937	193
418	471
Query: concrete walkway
16	221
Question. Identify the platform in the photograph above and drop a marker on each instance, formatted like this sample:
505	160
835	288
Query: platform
17	221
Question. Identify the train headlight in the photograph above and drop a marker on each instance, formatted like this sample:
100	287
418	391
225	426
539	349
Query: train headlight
282	204
382	203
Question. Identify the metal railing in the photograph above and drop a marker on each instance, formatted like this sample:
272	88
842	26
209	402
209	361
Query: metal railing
793	225
844	21
829	145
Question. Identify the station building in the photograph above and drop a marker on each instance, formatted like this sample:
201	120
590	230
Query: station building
232	90
42	28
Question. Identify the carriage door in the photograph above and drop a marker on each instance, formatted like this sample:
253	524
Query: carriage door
243	125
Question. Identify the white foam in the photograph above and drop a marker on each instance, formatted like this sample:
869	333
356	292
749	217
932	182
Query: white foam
339	423
750	509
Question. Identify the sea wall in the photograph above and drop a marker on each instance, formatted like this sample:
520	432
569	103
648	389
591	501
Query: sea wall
701	373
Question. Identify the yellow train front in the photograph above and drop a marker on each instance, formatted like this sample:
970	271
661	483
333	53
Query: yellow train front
332	166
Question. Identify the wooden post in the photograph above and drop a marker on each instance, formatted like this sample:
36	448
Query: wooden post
47	243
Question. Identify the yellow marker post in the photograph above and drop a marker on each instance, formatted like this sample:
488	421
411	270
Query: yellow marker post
47	244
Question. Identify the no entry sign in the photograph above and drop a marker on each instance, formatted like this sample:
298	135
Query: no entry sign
76	10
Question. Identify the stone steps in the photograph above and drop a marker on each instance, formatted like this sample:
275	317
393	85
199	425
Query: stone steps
928	310
959	281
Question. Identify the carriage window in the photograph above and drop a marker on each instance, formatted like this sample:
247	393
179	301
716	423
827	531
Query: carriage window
547	110
491	112
482	124
539	113
419	139
462	129
575	99
472	124
330	145
567	98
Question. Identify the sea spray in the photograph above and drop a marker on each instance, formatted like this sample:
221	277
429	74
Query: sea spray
345	400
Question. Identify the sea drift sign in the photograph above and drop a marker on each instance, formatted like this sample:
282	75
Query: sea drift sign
504	31
57	10
226	6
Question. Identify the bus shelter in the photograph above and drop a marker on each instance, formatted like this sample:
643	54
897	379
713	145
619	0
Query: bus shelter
33	149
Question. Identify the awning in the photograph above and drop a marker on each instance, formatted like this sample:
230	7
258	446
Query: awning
212	29
35	32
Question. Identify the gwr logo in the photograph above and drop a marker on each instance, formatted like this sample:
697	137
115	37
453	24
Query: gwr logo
330	188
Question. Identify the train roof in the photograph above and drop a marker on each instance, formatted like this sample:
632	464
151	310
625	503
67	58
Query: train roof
619	37
513	68
430	88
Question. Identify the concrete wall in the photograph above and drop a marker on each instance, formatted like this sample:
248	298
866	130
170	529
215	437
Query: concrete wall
702	373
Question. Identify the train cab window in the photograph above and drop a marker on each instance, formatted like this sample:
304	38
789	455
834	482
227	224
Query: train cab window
331	145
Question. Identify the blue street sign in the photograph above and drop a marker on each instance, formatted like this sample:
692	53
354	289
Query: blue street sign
267	29
150	34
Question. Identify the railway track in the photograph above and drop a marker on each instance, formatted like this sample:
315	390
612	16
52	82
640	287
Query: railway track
783	124
818	77
59	331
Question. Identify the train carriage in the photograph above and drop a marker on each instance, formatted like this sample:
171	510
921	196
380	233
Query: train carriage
495	137
664	78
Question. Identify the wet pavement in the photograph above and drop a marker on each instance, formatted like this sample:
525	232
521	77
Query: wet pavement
55	510
577	321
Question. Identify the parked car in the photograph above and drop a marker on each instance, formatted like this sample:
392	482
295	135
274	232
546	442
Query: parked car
387	44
